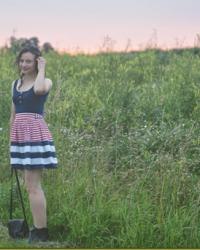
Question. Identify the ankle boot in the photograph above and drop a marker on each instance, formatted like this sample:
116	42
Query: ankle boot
38	234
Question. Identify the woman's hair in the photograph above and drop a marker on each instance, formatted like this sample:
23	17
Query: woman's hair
33	50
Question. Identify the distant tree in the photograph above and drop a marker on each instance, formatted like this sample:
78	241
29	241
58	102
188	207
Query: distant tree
34	41
47	47
17	44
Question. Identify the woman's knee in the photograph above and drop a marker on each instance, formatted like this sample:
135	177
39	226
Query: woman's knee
32	188
32	183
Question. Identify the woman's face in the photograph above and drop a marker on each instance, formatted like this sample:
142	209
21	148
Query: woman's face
27	63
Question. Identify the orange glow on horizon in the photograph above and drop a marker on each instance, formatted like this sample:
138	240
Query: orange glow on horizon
128	47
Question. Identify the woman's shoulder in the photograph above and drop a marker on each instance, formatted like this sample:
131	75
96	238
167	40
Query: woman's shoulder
14	84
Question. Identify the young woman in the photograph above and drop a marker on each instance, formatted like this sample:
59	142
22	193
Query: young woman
31	144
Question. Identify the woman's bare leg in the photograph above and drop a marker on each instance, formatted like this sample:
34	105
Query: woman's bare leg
36	197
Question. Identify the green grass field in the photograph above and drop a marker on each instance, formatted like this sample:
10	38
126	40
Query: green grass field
127	135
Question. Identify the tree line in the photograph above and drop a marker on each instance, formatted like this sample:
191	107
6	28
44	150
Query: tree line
16	44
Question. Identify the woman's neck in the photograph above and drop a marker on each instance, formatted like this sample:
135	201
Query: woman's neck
29	78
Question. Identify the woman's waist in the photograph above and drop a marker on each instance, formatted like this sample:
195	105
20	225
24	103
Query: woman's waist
28	116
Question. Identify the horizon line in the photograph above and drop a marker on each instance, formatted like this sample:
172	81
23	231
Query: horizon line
74	53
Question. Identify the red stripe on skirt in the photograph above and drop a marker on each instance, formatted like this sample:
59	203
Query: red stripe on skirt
29	127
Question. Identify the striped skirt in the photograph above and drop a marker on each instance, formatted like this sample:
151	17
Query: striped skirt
31	143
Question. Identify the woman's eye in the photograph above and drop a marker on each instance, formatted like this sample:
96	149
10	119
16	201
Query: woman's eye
28	61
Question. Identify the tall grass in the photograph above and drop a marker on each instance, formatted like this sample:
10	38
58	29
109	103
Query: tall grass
126	130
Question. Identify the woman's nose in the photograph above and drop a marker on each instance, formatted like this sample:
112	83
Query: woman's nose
23	64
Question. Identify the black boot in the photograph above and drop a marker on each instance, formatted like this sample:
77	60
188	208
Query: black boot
38	234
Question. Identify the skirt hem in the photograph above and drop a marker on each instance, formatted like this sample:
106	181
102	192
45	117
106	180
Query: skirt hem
33	167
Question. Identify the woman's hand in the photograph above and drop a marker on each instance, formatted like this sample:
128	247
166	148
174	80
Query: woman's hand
41	63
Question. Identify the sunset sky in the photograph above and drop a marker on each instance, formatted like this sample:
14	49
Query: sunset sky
83	24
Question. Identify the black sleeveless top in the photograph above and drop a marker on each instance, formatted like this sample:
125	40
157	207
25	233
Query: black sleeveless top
28	101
